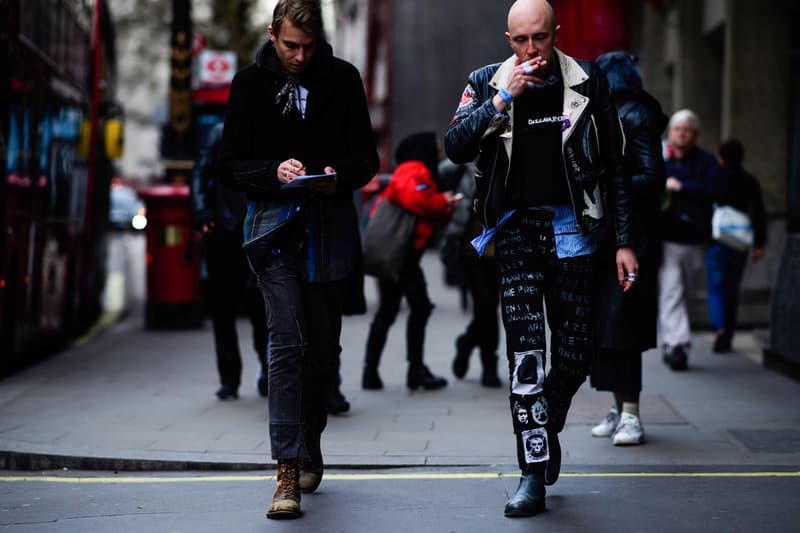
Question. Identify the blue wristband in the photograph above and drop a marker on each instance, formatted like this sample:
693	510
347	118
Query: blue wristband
505	95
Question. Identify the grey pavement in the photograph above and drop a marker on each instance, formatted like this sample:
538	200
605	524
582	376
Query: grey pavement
130	398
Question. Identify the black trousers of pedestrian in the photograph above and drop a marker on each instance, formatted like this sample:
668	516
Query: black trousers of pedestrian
413	287
532	276
305	325
230	284
483	331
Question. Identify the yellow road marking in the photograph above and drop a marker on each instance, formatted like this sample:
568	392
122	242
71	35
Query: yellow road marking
382	477
105	320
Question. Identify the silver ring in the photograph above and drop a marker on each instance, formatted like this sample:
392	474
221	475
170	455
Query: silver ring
527	68
631	276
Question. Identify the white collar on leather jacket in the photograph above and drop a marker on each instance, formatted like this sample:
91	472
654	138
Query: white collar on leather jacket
571	71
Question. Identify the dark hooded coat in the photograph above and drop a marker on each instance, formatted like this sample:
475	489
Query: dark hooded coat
628	322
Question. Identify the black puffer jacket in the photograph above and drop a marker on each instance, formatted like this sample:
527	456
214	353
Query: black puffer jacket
643	122
591	145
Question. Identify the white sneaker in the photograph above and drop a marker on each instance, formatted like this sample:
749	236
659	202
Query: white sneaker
606	427
629	432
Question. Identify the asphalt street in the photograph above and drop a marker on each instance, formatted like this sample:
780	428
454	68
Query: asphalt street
440	500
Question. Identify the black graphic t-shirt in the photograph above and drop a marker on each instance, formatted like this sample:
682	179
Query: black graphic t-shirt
536	176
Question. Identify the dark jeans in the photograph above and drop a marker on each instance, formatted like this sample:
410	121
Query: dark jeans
305	323
483	331
531	276
229	284
411	285
724	269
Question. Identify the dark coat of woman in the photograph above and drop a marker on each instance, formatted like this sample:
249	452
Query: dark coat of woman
628	322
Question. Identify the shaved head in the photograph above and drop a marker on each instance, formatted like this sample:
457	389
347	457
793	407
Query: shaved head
527	9
532	31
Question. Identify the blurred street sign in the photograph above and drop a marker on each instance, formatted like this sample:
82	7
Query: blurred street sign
216	68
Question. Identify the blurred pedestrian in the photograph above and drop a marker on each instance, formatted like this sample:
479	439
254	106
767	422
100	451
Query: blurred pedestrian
453	273
412	187
547	140
627	325
724	265
480	279
693	185
354	302
219	213
298	112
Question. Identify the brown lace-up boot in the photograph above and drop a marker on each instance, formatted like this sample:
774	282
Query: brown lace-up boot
286	500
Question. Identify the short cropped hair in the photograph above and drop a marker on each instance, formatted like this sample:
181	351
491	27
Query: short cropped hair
305	14
732	152
685	115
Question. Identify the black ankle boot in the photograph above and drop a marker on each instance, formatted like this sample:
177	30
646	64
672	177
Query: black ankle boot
490	380
461	360
370	380
226	392
529	498
419	376
722	342
554	463
336	403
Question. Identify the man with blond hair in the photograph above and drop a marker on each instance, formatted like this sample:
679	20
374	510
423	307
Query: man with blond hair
547	144
297	112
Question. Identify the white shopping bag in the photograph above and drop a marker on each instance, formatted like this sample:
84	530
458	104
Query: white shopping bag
732	228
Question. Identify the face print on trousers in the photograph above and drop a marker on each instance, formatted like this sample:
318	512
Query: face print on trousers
537	448
521	414
529	412
528	373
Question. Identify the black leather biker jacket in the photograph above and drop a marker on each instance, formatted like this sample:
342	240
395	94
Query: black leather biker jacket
592	145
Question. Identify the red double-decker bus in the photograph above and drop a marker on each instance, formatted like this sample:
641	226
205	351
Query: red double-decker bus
55	140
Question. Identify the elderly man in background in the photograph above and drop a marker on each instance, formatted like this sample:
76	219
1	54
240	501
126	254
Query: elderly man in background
693	185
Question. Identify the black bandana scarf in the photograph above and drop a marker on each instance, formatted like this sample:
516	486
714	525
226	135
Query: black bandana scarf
287	96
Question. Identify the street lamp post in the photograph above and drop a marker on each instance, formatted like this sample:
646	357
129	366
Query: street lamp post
178	142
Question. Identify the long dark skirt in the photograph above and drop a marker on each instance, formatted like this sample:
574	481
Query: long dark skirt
625	324
617	371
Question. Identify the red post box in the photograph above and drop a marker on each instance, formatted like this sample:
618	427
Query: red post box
173	259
